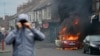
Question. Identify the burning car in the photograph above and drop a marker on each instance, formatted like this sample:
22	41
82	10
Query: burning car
71	41
70	33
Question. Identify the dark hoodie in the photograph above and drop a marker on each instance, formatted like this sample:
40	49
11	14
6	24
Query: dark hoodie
23	39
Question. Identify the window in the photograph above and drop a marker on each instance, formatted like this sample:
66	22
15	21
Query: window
40	14
32	17
43	14
29	18
48	13
95	38
87	38
35	15
98	5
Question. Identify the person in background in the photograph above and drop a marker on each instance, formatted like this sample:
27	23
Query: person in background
23	37
1	36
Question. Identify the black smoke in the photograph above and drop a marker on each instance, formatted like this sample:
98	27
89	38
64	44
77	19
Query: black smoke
74	8
65	7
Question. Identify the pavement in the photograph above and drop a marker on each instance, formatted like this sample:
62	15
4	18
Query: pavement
6	49
49	49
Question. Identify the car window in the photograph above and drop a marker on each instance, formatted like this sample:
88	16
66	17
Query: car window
87	38
95	38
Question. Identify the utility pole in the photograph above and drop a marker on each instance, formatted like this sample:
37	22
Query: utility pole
4	4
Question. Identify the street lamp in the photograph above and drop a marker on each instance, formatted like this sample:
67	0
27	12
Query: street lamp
4	4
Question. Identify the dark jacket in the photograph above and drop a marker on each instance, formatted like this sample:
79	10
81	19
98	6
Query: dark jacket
1	36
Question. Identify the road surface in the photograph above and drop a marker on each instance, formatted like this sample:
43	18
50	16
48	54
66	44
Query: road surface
50	50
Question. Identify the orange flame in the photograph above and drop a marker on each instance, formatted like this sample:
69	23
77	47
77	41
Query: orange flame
71	37
63	30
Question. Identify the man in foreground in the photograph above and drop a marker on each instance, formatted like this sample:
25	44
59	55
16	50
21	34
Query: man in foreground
23	37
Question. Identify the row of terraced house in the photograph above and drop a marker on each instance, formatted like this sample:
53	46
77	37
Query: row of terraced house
41	15
44	15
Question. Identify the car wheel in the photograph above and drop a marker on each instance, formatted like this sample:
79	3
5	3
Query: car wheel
89	51
84	50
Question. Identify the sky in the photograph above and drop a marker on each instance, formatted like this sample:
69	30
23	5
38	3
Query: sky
9	7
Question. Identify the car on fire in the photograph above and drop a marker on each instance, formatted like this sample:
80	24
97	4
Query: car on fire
91	44
71	42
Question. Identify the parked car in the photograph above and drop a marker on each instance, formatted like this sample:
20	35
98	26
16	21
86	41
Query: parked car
91	44
74	44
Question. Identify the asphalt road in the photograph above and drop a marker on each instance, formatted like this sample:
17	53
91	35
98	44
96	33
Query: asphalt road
50	50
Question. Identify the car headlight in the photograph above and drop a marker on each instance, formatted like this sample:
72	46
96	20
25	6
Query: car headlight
65	41
93	45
